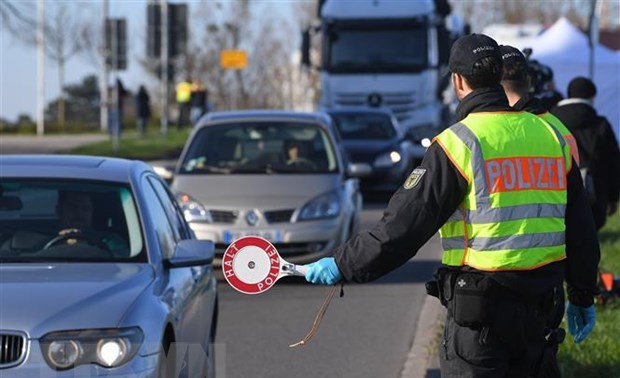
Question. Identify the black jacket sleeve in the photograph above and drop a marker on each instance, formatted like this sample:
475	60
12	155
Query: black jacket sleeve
611	159
582	247
411	218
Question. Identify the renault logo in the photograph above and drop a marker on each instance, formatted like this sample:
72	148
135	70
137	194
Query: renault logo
374	99
251	217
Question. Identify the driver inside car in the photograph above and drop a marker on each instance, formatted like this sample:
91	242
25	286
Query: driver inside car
75	213
295	156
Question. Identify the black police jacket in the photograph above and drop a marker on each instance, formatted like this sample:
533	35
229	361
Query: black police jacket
414	215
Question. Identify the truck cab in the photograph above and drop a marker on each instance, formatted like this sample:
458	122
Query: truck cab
387	53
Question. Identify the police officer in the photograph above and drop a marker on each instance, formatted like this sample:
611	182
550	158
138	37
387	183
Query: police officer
516	83
507	199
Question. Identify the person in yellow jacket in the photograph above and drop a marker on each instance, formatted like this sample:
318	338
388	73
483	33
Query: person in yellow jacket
501	187
183	98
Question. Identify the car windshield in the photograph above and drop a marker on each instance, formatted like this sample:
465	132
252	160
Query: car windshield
274	147
68	221
364	126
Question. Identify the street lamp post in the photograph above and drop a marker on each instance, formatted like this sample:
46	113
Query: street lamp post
165	86
40	67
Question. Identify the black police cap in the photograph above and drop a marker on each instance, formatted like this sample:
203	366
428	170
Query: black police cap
515	63
469	49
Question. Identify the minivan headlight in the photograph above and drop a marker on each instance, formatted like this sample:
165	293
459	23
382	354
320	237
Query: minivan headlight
106	347
193	211
387	159
326	205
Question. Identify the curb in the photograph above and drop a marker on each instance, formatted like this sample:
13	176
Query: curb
422	354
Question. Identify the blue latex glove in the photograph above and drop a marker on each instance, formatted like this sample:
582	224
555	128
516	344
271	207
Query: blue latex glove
323	272
580	321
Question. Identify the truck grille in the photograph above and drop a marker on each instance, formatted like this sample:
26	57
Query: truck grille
12	349
401	103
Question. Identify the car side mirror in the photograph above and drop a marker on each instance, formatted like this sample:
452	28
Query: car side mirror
358	170
165	170
191	252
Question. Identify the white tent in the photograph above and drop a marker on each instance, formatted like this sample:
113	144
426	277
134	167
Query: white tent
565	49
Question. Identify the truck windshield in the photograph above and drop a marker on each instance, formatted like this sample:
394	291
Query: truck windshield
385	49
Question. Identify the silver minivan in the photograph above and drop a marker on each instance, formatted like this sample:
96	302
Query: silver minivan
280	175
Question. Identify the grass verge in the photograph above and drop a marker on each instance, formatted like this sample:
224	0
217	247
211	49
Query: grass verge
599	355
152	146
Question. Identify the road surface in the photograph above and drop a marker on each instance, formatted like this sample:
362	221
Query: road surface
365	334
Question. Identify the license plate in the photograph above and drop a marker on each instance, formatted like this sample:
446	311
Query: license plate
274	236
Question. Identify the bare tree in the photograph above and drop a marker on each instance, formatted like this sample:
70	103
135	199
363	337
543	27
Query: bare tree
272	78
64	35
480	13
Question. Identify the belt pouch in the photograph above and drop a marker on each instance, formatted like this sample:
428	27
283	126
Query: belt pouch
470	304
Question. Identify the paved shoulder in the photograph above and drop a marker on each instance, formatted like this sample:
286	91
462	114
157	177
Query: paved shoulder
422	360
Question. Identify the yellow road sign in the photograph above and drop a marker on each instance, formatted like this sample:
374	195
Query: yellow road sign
233	59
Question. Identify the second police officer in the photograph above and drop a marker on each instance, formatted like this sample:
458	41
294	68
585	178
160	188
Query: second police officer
507	198
516	82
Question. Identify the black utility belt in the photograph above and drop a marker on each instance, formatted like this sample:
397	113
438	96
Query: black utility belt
471	297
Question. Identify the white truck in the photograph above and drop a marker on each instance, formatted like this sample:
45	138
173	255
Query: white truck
387	53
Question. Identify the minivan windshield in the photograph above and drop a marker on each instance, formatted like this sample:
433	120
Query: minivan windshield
48	220
265	147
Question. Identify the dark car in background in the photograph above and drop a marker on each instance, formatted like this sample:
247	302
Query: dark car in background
100	275
372	136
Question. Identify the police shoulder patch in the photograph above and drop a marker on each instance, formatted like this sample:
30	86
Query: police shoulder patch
414	178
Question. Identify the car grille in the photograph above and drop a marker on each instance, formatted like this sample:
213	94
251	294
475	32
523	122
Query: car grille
223	216
12	349
279	216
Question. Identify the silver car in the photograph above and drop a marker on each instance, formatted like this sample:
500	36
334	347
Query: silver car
100	275
276	174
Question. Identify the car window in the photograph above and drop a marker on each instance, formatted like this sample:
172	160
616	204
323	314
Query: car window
69	220
161	224
173	212
274	147
364	126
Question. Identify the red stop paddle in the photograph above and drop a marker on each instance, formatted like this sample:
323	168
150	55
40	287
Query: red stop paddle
252	265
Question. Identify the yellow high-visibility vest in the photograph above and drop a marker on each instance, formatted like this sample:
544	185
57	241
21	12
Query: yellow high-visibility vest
568	136
512	217
184	92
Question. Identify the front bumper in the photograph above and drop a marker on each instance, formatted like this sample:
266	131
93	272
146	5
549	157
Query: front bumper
35	366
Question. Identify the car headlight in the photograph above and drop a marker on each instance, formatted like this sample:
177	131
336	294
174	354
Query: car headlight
419	133
387	159
324	206
193	211
106	347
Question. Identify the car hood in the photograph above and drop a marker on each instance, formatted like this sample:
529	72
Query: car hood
41	298
365	151
278	191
